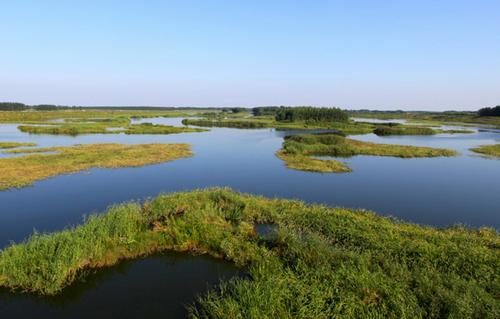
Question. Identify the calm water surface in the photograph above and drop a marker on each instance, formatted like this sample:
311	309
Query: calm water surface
437	191
160	286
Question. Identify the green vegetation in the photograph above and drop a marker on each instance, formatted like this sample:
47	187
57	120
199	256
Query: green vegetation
81	157
148	128
321	262
104	127
270	122
310	164
265	110
89	114
490	150
4	145
311	114
298	149
414	130
431	118
387	130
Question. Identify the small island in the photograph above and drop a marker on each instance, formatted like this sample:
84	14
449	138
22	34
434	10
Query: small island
41	163
488	150
298	151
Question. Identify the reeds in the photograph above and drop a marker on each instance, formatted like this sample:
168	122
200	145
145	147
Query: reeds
322	263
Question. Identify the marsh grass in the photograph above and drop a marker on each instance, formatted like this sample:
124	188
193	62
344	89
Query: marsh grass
105	127
437	118
489	150
298	149
5	145
24	170
414	130
257	122
322	262
86	114
310	164
148	128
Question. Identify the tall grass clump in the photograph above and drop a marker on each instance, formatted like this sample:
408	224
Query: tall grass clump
403	130
322	262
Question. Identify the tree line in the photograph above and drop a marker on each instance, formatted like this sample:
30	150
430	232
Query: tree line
308	113
489	111
15	106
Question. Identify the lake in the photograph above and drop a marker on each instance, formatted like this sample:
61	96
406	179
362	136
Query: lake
433	191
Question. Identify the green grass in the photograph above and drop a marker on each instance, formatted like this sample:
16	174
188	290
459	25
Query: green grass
148	128
105	127
270	122
310	164
414	130
22	171
4	145
298	149
88	114
440	118
322	262
490	150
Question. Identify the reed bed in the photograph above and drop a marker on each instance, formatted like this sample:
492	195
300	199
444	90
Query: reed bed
321	262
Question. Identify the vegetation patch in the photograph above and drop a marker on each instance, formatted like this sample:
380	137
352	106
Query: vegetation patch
490	150
23	171
270	122
483	117
310	164
414	130
4	145
298	149
105	127
312	114
321	263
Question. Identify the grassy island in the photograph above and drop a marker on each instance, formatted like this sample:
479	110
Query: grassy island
320	262
414	130
490	150
104	127
297	151
269	122
41	163
4	145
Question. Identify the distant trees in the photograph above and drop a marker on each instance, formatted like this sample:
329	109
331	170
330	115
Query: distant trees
13	106
48	107
265	110
489	111
314	114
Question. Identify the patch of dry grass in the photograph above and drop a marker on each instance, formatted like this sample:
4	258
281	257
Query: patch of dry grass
4	145
310	164
23	171
490	150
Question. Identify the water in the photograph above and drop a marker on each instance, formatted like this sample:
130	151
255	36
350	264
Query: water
377	121
434	191
160	286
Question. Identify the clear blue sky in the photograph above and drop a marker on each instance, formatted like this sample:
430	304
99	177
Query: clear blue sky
429	55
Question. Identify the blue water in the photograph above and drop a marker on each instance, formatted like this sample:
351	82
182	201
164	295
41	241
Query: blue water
437	191
434	191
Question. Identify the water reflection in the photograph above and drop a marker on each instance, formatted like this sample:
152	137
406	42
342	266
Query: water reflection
437	191
155	287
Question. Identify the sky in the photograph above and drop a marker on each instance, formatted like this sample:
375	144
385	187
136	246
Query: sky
410	55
